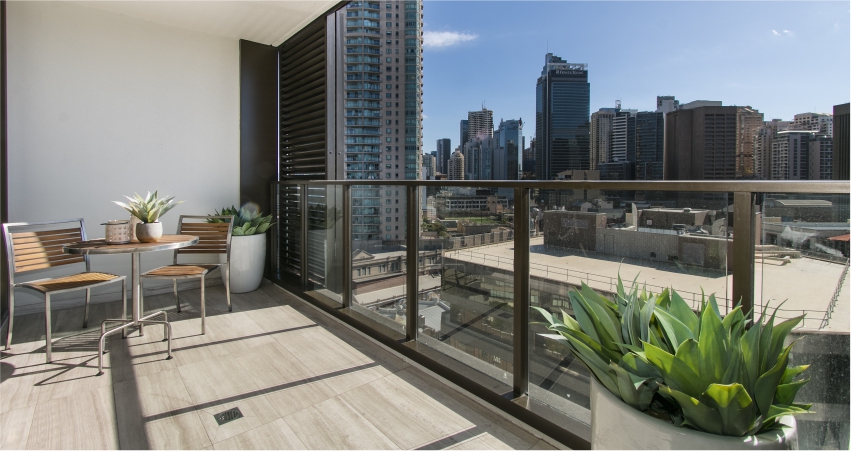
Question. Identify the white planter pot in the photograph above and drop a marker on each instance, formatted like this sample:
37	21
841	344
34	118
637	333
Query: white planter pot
615	425
247	259
149	232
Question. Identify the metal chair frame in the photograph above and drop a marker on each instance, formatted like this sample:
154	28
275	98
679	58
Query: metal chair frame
224	267
8	230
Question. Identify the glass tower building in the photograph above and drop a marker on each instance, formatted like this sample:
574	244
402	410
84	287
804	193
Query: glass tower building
382	86
562	125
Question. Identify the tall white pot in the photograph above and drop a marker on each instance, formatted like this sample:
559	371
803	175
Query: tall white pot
247	259
615	425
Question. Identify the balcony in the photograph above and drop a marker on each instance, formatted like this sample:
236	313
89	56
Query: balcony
373	329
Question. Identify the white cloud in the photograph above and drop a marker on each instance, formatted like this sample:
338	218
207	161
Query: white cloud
775	33
425	117
788	33
446	38
783	33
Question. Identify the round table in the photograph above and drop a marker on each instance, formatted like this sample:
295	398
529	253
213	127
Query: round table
101	247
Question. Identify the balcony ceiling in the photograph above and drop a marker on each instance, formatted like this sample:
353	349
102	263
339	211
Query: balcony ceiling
266	22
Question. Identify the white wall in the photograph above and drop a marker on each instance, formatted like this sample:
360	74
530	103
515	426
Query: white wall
101	105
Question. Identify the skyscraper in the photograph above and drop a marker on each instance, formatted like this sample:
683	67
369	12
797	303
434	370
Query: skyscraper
601	136
840	142
762	142
444	151
456	166
748	123
382	81
562	124
463	133
479	124
510	138
790	155
623	136
649	145
820	153
817	122
700	142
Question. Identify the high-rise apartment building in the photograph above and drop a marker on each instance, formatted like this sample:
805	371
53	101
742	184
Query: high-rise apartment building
623	136
562	118
700	142
508	160
479	158
455	167
762	141
816	122
748	122
790	155
601	136
382	81
479	124
649	145
429	163
444	151
840	142
820	153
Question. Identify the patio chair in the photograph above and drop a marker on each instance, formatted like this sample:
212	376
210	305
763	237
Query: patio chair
37	246
213	239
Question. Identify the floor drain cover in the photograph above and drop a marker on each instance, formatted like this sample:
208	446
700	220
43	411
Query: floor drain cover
228	415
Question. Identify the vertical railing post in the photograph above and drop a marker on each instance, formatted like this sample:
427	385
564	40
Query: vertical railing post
522	293
303	224
413	262
347	246
275	210
743	250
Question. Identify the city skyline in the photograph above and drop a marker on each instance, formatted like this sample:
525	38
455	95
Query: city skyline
730	70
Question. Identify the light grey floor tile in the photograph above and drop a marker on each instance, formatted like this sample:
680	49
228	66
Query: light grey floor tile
271	365
274	435
82	421
156	412
216	380
297	396
15	425
334	424
401	415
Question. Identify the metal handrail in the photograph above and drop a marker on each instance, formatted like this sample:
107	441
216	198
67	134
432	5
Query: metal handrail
726	186
828	314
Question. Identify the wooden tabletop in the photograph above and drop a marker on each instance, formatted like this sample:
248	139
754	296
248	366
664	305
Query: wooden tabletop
167	242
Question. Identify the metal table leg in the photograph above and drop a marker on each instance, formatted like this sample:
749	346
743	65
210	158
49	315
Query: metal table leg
136	320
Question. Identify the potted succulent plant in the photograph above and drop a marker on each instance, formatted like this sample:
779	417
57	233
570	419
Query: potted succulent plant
247	249
666	377
148	211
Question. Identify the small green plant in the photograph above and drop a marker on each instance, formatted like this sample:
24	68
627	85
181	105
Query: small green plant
245	221
150	208
704	372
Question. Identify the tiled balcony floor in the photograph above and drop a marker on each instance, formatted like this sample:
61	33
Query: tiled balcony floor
301	380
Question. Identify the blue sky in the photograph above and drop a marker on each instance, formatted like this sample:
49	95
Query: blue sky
782	58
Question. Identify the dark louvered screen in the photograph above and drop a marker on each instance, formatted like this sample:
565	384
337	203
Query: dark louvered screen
304	110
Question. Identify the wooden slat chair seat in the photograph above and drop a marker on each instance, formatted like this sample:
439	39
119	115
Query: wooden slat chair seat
74	282
213	238
37	246
181	271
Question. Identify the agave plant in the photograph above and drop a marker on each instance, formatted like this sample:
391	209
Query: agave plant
245	221
703	371
150	208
